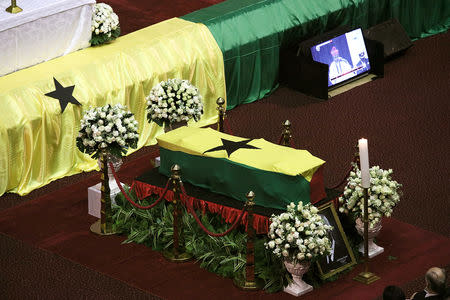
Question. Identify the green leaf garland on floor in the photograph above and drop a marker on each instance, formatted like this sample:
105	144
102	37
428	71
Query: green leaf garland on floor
224	256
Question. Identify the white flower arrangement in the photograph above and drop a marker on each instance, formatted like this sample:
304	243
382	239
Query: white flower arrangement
384	194
105	24
174	100
299	234
108	128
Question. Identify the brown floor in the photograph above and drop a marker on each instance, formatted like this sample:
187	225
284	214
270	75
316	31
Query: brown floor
404	116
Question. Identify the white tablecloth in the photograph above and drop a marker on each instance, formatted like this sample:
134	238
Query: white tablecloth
45	29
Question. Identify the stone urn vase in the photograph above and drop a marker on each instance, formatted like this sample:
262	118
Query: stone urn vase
374	249
117	163
298	286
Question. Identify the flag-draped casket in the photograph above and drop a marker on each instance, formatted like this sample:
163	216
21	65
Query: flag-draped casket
233	166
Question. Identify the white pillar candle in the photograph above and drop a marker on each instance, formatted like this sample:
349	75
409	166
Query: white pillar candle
364	161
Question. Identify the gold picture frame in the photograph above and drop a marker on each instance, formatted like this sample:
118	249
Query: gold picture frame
342	256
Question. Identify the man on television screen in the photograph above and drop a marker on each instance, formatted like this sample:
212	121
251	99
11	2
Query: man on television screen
339	69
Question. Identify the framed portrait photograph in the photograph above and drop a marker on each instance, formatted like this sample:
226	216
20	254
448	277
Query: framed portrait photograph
341	256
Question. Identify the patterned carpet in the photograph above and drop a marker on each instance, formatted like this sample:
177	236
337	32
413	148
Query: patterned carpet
404	116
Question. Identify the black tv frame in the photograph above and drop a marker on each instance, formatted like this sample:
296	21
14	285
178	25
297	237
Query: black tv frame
300	72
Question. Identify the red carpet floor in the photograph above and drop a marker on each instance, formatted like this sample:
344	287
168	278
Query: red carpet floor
47	252
134	15
58	223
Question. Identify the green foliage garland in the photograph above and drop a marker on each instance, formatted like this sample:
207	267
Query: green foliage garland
224	256
102	38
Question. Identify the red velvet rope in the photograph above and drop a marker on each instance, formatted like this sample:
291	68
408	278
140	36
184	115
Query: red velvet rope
336	201
292	143
227	125
261	223
199	222
346	175
131	200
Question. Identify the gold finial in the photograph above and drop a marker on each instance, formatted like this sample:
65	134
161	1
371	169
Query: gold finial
286	135
176	171
250	197
14	9
220	101
222	109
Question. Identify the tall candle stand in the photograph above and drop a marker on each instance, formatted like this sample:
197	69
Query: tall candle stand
366	276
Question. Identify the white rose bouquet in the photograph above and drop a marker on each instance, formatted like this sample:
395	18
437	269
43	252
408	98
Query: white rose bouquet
174	100
384	194
105	24
299	234
108	128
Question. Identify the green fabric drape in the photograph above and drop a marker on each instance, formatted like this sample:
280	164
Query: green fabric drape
421	18
272	189
250	33
223	164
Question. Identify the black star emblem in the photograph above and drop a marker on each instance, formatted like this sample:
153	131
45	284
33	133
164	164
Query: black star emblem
63	94
231	146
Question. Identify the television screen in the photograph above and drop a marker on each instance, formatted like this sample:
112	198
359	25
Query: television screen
345	55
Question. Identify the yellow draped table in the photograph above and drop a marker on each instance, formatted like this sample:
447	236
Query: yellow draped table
37	142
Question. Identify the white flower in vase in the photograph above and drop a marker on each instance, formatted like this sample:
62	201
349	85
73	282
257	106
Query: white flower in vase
105	24
384	194
298	236
177	108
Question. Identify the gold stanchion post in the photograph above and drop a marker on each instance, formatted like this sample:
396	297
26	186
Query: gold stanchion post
249	282
286	134
103	226
356	155
14	9
176	253
366	276
221	109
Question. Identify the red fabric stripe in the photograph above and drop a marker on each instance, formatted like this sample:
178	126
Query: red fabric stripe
228	214
317	187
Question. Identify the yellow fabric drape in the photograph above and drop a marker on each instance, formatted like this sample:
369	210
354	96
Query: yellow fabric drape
269	157
37	142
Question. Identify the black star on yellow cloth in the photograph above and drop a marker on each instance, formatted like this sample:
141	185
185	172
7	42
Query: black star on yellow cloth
232	166
63	94
231	146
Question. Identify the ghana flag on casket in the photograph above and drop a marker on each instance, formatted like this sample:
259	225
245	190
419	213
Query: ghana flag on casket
233	166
